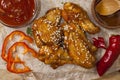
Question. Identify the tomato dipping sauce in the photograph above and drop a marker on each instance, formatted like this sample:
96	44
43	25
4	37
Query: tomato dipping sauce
16	12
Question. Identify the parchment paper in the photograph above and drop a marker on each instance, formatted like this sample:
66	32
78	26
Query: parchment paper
66	72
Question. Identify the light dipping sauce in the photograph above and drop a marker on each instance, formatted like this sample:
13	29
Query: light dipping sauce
111	21
16	12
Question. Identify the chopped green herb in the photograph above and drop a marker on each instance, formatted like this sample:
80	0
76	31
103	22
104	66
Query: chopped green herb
29	31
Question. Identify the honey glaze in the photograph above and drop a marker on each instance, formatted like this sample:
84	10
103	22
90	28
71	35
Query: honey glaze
16	12
109	20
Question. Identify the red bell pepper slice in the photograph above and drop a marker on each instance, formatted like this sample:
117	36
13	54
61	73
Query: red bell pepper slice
9	38
13	60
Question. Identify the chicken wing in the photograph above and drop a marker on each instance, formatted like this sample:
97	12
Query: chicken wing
45	29
79	49
75	28
54	56
73	13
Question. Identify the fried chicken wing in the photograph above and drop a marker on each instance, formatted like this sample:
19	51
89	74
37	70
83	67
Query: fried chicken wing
75	28
73	13
54	56
79	52
45	29
79	48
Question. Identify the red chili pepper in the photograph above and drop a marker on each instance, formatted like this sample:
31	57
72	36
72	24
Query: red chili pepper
10	37
111	54
13	60
99	43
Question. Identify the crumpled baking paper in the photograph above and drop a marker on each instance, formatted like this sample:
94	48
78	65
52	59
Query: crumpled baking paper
42	71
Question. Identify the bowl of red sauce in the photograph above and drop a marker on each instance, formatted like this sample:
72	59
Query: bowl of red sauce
18	13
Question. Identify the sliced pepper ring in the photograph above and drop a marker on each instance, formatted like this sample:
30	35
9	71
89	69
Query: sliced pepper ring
11	65
9	37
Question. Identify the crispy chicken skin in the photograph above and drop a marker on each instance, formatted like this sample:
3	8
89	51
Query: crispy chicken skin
63	41
74	13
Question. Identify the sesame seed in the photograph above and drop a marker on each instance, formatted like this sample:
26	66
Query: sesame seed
66	27
65	37
77	15
35	25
